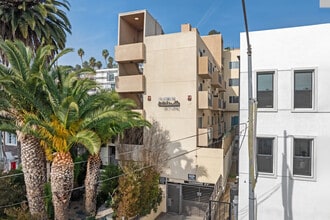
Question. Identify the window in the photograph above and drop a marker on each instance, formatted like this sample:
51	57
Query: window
233	99
200	122
265	155
303	89
233	82
110	76
302	157
234	65
113	86
265	89
234	121
11	139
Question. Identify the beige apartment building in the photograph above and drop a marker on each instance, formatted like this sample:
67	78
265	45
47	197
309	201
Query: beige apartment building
231	69
179	80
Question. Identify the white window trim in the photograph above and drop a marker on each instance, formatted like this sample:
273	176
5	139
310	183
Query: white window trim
313	158
6	140
275	89
275	158
314	91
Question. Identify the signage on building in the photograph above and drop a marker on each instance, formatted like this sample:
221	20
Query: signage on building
169	103
191	177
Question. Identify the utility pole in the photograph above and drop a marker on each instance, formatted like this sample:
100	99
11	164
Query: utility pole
252	124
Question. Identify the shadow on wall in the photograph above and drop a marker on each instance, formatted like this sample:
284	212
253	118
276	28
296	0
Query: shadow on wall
181	163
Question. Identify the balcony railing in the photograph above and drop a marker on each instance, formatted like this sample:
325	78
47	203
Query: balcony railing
130	53
134	83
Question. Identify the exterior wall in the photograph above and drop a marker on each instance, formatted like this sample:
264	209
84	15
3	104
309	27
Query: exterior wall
169	76
282	195
230	55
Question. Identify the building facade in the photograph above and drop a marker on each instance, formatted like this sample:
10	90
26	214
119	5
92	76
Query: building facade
231	96
290	82
178	80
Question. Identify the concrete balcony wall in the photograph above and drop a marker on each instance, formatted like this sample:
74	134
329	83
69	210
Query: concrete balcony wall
203	68
205	100
205	136
216	80
140	111
134	83
130	52
210	159
218	103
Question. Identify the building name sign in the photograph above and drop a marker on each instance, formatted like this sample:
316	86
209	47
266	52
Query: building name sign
168	102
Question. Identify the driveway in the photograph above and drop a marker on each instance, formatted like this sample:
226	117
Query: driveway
172	216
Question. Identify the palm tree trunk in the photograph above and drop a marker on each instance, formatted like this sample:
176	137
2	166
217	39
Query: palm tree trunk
91	183
61	183
34	169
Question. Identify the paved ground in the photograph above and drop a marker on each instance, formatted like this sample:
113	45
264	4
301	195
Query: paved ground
170	216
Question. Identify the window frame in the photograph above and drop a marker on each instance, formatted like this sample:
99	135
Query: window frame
275	89
275	158
314	89
7	134
313	158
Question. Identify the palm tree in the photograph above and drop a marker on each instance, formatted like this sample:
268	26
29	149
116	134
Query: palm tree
105	54
98	64
67	96
85	64
21	93
81	53
107	122
110	62
36	23
92	62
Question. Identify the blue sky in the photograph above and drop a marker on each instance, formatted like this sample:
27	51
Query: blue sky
94	23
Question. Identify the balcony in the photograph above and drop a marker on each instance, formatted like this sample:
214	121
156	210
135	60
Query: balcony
218	103
204	100
140	111
204	68
130	53
216	80
216	131
205	137
134	83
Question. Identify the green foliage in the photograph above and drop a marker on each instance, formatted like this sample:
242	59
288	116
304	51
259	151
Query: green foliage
211	32
12	189
48	201
20	213
138	192
109	184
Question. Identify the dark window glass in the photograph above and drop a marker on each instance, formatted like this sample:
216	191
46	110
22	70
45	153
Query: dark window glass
233	82
265	90
302	157
265	155
234	65
303	89
233	99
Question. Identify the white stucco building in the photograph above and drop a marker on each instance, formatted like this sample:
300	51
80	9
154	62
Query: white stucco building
291	78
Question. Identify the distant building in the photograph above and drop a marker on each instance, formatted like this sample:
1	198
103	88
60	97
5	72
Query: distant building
178	79
9	151
291	83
